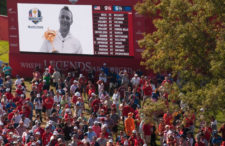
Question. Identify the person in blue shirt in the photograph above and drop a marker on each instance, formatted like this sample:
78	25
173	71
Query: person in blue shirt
105	69
7	70
1	81
10	106
217	139
91	134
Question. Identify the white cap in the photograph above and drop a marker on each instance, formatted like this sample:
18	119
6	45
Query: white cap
125	142
110	140
67	110
93	94
104	126
55	133
77	94
202	109
77	103
169	132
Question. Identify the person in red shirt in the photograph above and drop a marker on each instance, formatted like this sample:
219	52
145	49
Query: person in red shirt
140	140
200	142
96	128
75	97
46	136
147	89
167	117
90	90
95	104
39	129
8	94
19	89
127	109
166	80
207	133
48	103
161	128
147	129
171	141
50	69
28	108
133	140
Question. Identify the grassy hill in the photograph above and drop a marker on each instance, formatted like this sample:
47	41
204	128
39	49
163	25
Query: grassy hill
4	51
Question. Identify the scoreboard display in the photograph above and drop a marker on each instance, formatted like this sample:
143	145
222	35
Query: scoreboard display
92	29
112	27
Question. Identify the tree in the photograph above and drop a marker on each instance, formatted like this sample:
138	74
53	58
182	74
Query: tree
3	7
189	42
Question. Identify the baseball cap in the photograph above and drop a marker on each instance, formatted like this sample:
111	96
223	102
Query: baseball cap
55	133
77	94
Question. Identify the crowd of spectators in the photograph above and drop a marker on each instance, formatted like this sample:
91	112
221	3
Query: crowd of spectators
94	109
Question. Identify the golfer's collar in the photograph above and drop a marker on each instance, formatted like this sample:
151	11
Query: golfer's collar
61	38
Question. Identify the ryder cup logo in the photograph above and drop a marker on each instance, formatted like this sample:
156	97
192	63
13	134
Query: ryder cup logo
35	15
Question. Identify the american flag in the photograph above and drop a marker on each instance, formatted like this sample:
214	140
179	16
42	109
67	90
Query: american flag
97	8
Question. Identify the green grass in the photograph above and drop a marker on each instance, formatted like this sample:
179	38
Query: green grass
4	51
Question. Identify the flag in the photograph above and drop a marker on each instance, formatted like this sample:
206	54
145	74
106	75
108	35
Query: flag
97	8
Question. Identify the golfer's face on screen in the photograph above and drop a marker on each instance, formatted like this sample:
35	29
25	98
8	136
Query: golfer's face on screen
65	19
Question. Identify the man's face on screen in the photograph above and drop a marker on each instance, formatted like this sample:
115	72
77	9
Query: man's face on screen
65	19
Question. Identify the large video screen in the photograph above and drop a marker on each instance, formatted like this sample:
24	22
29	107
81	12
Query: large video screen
75	29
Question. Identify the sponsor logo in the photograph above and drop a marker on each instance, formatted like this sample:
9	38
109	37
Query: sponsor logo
35	15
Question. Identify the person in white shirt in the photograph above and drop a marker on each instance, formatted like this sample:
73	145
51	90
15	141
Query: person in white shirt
135	81
56	76
18	81
74	87
57	97
116	99
64	41
38	106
